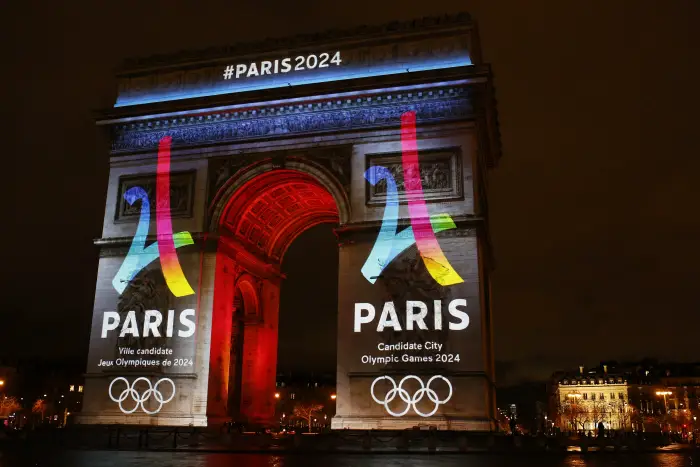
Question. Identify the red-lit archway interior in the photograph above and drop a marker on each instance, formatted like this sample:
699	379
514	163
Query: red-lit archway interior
260	221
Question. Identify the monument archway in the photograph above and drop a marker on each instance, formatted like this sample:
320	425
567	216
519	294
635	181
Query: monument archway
257	215
218	162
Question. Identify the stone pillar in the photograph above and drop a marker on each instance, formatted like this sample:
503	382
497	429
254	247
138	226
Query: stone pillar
470	400
236	364
220	347
260	357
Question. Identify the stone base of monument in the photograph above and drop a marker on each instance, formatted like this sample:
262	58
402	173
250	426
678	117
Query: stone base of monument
403	423
119	418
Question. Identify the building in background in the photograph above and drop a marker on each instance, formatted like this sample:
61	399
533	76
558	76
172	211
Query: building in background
642	396
584	399
665	396
304	397
47	392
526	404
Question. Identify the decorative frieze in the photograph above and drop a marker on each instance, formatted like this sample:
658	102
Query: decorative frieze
293	120
440	173
181	195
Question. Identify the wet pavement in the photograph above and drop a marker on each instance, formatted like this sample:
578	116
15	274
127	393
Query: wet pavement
37	458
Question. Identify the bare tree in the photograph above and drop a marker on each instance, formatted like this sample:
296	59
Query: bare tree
503	422
574	412
659	419
306	412
8	406
599	412
625	413
636	419
679	418
40	406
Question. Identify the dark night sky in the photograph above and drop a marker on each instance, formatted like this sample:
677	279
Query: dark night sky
593	209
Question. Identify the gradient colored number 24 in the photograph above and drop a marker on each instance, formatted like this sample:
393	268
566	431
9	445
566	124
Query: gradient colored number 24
140	256
388	246
423	227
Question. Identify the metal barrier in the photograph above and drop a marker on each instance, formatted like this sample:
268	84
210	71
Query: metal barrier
125	437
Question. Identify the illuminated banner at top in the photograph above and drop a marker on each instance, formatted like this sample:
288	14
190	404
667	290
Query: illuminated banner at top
277	70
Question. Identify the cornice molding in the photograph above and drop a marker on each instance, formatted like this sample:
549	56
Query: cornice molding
466	226
119	246
330	115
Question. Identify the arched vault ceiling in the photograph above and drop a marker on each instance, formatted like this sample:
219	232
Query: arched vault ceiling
271	210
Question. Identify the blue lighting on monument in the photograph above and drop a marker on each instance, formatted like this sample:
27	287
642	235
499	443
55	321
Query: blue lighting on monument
223	86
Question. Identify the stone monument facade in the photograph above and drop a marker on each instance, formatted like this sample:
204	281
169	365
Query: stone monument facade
241	165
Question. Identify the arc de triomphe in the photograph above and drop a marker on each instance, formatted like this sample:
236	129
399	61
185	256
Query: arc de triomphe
220	159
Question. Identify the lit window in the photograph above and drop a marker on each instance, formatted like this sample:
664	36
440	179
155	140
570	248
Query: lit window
80	389
72	388
292	396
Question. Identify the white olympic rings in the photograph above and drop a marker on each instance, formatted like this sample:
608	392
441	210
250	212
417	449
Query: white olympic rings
411	401
141	398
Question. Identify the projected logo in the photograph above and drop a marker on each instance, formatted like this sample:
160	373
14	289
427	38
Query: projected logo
139	255
139	399
423	227
413	400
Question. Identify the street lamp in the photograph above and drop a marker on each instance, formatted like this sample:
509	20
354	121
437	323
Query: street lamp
333	396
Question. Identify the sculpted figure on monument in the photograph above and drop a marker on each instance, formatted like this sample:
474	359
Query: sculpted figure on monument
180	195
407	278
147	291
222	169
435	176
337	160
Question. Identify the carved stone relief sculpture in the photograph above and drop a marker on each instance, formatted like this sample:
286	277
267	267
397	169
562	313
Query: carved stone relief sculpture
407	278
147	291
181	195
440	174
